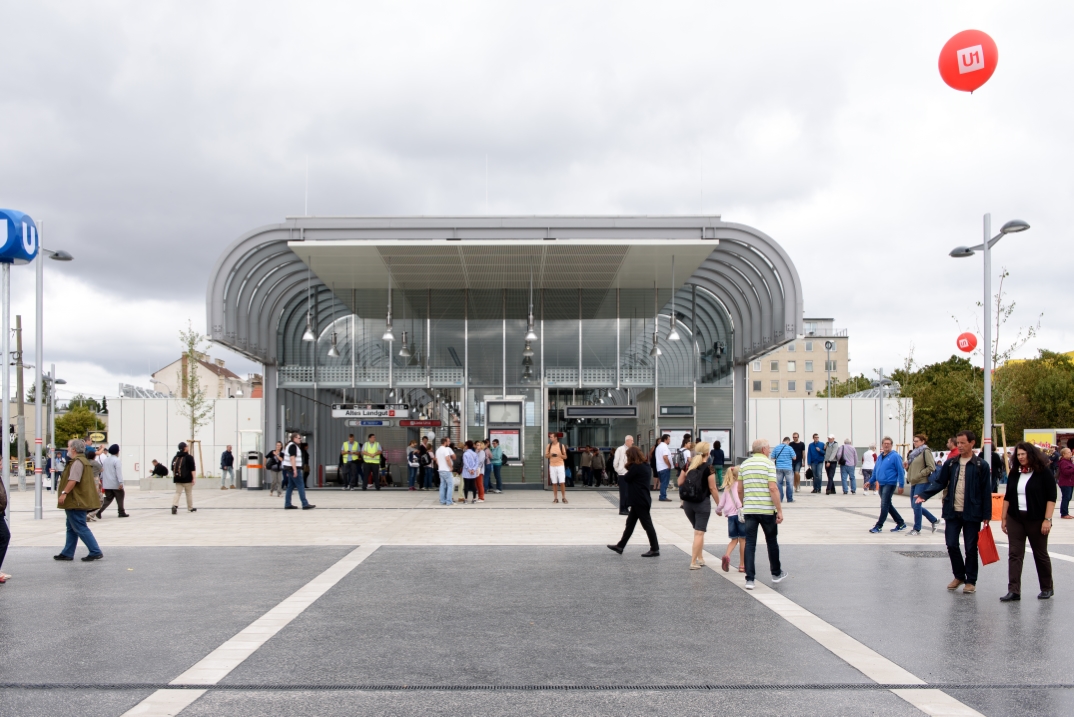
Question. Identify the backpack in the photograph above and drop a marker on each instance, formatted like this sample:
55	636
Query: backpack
177	465
694	488
677	461
456	465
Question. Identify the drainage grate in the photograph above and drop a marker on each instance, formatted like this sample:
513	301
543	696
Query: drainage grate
923	553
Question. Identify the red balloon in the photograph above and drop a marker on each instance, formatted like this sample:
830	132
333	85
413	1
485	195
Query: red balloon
968	60
967	342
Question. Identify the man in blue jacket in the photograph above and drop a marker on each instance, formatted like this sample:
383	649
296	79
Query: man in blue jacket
816	461
889	475
783	456
966	506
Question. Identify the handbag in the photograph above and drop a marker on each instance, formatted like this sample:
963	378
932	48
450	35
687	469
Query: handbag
809	474
986	546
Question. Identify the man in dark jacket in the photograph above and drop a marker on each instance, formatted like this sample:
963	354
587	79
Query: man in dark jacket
815	459
227	469
183	476
968	503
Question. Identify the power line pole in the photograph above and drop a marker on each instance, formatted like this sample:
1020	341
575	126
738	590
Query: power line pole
20	420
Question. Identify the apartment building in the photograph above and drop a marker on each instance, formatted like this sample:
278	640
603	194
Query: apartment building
801	368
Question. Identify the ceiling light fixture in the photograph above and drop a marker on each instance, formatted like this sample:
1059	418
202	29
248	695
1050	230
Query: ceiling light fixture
673	335
308	335
531	335
333	352
388	335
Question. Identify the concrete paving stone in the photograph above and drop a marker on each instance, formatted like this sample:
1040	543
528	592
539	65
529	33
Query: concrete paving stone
801	703
141	614
529	615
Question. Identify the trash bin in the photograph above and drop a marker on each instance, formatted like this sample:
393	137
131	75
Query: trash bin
254	467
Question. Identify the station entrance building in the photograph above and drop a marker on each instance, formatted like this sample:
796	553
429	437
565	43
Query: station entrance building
592	327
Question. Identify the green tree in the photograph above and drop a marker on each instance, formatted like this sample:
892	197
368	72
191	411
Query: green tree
83	401
845	388
1040	394
76	423
194	405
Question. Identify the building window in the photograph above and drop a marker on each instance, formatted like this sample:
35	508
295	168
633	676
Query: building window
810	327
792	386
792	365
757	366
809	366
809	386
830	365
790	347
774	365
808	345
757	386
775	387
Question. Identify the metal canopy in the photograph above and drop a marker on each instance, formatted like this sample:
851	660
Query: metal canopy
506	263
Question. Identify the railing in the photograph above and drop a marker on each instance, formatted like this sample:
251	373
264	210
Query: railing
598	376
636	376
561	376
823	333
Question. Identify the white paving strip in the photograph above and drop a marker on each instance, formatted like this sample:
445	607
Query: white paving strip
218	663
869	662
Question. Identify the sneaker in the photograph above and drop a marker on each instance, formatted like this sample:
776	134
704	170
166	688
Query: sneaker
480	500
749	585
934	525
914	532
899	528
781	577
874	530
308	506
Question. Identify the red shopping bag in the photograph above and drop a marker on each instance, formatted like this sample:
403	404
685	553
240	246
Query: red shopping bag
986	546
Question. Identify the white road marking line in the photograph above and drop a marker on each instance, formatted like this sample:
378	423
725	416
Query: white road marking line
217	664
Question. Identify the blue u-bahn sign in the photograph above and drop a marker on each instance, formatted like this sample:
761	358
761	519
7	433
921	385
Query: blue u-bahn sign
20	238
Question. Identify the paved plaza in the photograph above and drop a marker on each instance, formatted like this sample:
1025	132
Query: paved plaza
389	604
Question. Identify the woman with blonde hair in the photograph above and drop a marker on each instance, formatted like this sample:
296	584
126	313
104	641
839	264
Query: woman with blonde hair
730	506
702	478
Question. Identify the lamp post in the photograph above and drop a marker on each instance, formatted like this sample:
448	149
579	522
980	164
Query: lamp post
53	382
961	252
38	340
828	346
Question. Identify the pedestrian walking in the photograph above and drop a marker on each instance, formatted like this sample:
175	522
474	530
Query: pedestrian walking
847	458
697	483
351	455
445	460
274	468
473	467
868	463
719	460
759	495
1028	506
112	481
1065	480
638	478
95	463
966	506
497	465
815	457
487	445
830	464
183	469
889	476
585	461
556	454
799	458
413	465
920	465
371	462
619	465
663	465
783	457
227	469
730	507
680	458
425	463
480	448
294	478
77	496
5	534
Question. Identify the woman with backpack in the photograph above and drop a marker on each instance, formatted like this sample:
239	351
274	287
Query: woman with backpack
730	506
274	466
696	483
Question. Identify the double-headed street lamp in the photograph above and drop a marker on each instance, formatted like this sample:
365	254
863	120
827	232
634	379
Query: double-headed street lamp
961	252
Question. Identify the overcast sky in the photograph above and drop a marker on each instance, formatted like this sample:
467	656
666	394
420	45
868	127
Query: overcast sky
148	136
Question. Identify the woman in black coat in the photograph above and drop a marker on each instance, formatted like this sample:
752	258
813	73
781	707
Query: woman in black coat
638	477
1027	513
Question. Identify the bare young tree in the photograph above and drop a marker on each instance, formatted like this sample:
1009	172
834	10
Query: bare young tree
194	405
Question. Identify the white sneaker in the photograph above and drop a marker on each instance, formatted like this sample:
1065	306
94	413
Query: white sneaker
914	532
749	585
480	500
781	577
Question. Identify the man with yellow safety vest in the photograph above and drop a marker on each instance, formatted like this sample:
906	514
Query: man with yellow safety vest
371	462
351	464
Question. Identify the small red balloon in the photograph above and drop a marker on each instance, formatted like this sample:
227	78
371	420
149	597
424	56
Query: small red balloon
967	342
968	60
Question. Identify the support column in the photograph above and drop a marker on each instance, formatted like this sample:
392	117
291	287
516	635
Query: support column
464	400
740	414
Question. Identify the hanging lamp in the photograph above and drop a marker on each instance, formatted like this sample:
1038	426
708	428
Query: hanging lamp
388	335
333	352
308	335
673	335
531	335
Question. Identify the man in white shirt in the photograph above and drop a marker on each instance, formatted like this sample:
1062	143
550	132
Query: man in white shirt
445	459
663	465
619	465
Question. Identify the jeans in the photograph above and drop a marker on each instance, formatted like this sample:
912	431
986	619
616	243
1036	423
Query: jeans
292	481
767	521
110	495
665	478
496	468
848	472
228	474
1064	507
785	479
488	477
886	493
965	570
816	468
919	508
640	513
429	471
411	475
447	488
77	528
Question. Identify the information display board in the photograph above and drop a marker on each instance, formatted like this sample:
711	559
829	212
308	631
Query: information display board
509	442
723	435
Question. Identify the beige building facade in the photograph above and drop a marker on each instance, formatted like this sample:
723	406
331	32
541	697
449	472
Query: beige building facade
217	381
800	369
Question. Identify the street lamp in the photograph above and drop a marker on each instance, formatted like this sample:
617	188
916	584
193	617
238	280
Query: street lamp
57	255
961	252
